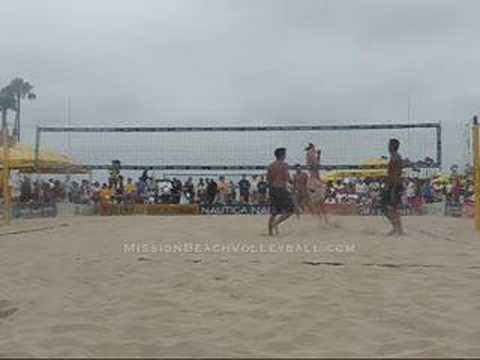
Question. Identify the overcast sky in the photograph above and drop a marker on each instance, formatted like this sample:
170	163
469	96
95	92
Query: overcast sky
209	62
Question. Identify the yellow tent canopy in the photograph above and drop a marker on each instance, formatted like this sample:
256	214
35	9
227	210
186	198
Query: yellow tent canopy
22	157
374	173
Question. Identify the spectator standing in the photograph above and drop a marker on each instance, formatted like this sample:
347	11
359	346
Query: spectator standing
165	190
176	190
212	189
37	192
232	192
410	193
75	193
427	191
254	188
26	190
244	187
201	191
262	189
455	191
142	188
189	191
105	199
130	191
222	189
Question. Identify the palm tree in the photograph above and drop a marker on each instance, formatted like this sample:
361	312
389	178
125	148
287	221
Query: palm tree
7	102
20	89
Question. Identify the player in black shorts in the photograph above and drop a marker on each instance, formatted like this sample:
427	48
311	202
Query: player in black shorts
392	193
281	202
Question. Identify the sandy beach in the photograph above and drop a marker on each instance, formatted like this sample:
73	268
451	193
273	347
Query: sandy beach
124	286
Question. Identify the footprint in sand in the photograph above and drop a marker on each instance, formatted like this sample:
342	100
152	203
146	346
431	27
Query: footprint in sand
331	225
68	328
6	309
369	231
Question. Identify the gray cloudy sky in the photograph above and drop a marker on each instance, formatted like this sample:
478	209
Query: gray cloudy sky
226	62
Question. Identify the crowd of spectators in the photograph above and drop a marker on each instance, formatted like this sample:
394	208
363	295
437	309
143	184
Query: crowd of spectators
145	190
364	192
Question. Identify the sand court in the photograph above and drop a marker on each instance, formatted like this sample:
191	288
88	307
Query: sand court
114	286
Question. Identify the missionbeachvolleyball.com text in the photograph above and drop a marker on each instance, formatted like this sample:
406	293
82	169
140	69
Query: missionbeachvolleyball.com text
235	247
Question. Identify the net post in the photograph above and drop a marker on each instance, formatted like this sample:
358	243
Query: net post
37	149
476	169
439	146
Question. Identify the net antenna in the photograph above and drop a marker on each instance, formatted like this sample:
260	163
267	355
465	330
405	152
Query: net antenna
241	148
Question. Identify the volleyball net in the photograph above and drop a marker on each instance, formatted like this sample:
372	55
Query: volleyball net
248	148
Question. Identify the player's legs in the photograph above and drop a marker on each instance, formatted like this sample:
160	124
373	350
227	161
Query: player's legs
282	205
271	224
389	214
392	213
398	222
397	200
395	220
274	210
281	219
318	210
298	210
317	205
323	212
299	204
389	211
314	173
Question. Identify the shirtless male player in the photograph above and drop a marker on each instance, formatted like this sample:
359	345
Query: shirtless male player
316	198
300	179
392	194
316	189
312	160
281	202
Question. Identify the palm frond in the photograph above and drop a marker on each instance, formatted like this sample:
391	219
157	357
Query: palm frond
7	101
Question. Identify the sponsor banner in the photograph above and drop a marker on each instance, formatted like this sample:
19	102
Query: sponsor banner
377	211
336	209
342	209
31	211
147	209
237	209
166	209
448	209
256	209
